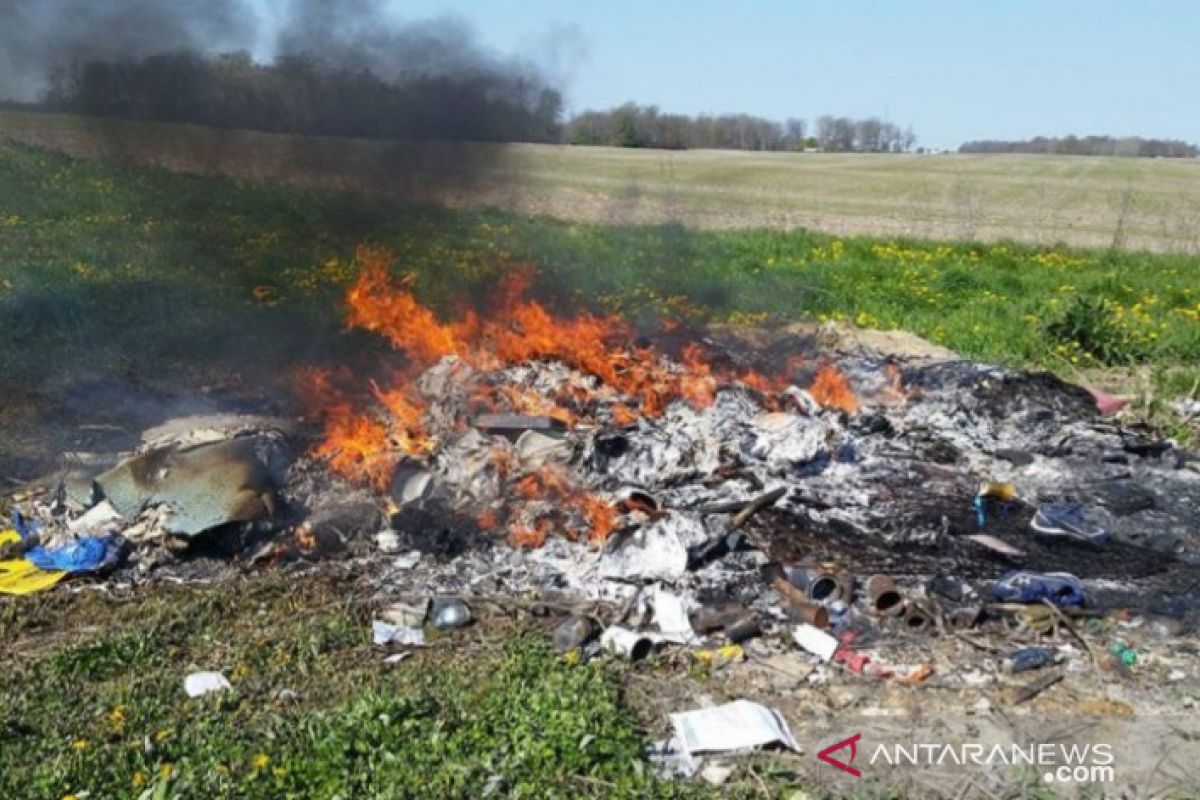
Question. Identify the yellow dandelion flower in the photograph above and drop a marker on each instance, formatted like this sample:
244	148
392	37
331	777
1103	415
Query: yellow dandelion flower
138	780
80	744
260	761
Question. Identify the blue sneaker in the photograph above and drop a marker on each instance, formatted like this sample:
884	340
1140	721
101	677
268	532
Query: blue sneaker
1070	521
1060	588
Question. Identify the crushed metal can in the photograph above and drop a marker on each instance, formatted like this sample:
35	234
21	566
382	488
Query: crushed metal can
449	613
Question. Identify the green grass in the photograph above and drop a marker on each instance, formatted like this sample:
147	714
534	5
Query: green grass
104	710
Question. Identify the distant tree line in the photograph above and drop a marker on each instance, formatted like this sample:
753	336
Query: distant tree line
299	94
1088	146
631	125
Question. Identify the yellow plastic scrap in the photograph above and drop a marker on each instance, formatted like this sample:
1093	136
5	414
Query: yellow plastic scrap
995	490
721	656
21	576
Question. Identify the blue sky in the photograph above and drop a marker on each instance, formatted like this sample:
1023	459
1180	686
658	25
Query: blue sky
953	70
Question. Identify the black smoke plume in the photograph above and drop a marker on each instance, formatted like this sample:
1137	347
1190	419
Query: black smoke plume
340	68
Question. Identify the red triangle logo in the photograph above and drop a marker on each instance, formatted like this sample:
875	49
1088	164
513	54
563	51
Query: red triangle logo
852	743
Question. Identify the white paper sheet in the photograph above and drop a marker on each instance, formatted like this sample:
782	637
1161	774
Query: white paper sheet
734	726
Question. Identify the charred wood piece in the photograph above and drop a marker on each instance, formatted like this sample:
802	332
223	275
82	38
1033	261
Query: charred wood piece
756	505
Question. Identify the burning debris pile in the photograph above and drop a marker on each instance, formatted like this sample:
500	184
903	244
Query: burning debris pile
652	459
527	426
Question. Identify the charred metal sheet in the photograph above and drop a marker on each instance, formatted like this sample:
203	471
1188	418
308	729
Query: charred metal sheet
513	425
202	487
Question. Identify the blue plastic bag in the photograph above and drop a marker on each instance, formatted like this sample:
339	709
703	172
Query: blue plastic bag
89	554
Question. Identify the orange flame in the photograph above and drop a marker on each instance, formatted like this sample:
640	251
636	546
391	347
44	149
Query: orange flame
831	389
628	381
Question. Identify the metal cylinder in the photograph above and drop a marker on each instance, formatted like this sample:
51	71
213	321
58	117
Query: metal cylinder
917	618
450	612
818	584
800	608
625	643
812	613
883	597
717	616
742	629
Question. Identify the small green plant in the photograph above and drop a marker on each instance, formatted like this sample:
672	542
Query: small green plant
1090	324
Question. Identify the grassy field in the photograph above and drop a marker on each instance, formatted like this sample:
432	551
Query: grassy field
94	704
147	276
1094	202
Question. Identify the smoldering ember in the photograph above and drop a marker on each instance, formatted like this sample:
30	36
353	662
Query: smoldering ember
690	489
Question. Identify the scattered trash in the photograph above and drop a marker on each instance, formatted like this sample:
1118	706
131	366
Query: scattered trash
821	584
1037	618
1001	492
201	683
407	560
1060	588
410	484
883	596
846	654
84	555
953	589
739	725
717	616
913	676
96	519
20	576
996	545
670	761
449	613
800	608
717	774
408	615
1107	404
815	641
203	487
513	425
671	616
575	632
1127	655
992	494
536	448
1028	658
387	540
383	633
963	617
741	630
1032	690
1070	521
721	656
917	617
396	658
625	643
756	505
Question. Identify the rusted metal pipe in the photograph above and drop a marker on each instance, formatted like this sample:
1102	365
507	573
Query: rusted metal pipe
917	618
882	596
823	584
